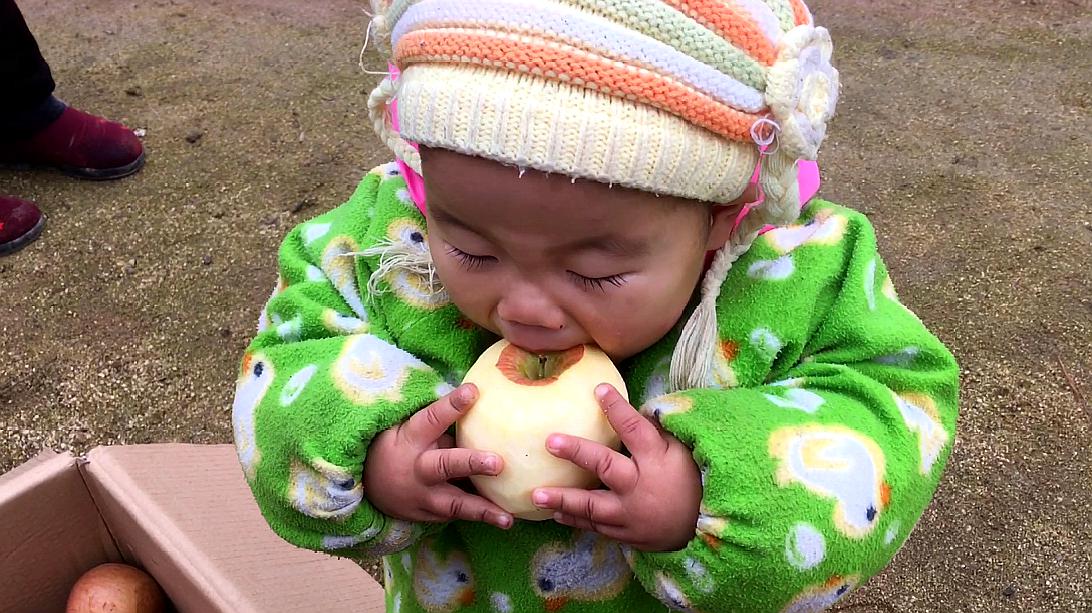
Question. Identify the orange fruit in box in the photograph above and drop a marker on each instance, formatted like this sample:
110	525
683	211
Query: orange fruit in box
116	588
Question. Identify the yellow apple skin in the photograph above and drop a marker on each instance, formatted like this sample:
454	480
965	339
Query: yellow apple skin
513	420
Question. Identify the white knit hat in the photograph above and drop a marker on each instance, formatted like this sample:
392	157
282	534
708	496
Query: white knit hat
670	97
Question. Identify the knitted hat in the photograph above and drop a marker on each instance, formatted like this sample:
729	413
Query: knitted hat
666	96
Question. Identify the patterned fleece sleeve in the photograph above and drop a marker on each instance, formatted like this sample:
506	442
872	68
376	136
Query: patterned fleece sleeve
320	380
816	473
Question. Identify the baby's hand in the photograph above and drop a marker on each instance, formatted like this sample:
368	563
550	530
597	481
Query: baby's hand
654	495
408	467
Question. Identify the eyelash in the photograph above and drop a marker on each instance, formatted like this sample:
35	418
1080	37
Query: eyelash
475	262
598	283
470	261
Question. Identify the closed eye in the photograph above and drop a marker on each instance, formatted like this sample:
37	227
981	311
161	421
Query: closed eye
598	284
469	261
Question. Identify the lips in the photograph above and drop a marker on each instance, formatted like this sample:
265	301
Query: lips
536	339
540	348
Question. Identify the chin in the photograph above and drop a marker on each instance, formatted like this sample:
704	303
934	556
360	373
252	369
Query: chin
635	345
618	355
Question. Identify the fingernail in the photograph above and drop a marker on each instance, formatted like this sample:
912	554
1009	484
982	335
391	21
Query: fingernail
505	521
602	390
490	464
466	393
553	443
540	498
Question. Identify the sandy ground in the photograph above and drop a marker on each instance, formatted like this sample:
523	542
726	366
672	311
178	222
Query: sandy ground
963	132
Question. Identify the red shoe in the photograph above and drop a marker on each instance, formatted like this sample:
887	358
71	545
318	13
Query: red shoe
80	145
20	223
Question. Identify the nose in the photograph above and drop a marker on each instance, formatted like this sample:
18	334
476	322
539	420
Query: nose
526	304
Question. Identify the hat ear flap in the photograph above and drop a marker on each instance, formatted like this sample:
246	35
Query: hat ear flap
379	112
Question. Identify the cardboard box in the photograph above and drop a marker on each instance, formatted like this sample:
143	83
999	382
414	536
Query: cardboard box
181	512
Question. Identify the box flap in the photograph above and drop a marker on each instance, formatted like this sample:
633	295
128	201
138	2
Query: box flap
185	514
50	533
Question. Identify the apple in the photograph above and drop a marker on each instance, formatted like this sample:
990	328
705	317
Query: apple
116	588
525	397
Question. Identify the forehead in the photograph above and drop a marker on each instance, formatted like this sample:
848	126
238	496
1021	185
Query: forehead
501	201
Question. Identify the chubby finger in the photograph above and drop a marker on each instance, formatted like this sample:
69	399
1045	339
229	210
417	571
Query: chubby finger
448	502
615	470
638	434
439	465
432	422
599	507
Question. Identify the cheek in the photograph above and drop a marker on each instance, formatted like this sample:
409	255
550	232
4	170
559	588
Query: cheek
650	308
444	265
471	292
450	271
637	320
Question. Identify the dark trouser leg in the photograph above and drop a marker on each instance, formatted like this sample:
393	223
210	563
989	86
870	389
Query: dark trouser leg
28	104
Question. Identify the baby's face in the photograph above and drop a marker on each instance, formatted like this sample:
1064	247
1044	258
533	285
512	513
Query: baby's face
548	263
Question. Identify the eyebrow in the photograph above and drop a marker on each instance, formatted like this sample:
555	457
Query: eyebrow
612	245
444	217
608	244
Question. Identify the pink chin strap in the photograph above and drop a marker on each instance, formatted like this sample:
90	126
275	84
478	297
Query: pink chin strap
415	185
807	173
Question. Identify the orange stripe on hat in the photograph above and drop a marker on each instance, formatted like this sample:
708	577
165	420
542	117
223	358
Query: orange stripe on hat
800	12
724	19
568	64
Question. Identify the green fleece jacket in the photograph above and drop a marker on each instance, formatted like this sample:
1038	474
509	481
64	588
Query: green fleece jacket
821	436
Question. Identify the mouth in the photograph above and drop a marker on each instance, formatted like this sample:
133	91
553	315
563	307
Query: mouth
541	348
537	340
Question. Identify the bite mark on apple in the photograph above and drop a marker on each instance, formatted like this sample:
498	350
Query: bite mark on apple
525	368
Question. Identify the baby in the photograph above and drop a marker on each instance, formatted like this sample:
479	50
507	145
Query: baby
622	173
